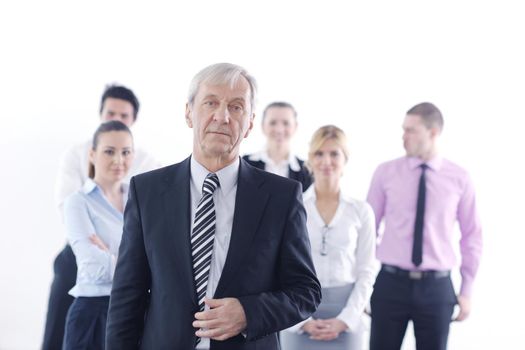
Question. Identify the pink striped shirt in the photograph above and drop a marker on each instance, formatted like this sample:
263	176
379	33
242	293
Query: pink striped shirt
449	197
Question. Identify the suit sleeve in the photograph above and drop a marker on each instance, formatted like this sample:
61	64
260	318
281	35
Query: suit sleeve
299	291
131	282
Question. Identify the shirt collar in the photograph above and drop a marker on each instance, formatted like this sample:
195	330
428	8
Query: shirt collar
262	156
434	163
227	175
309	194
91	186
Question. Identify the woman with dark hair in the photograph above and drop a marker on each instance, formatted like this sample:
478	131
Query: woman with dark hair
93	218
117	103
342	237
279	125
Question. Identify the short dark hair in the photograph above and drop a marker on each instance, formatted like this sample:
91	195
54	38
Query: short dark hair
429	113
122	93
112	125
279	104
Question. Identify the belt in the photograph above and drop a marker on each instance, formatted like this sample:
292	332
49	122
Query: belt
415	275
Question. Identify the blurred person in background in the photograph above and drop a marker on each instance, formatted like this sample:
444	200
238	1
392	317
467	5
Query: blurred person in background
93	217
279	123
342	235
117	103
420	197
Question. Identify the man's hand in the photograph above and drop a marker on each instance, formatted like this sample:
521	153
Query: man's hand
98	242
326	330
224	319
464	308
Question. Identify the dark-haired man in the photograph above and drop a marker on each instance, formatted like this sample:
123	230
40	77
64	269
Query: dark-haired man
420	197
117	103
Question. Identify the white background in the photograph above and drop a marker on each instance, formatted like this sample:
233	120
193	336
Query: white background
359	65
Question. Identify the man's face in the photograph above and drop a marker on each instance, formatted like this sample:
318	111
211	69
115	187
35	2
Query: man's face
117	109
418	140
221	117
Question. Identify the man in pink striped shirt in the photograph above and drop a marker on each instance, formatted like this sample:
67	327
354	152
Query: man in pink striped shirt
420	197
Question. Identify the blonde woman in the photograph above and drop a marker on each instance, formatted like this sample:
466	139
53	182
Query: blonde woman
342	236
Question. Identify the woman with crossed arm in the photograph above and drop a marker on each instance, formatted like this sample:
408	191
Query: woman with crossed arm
93	218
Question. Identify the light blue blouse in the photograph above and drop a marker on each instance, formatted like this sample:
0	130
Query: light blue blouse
88	212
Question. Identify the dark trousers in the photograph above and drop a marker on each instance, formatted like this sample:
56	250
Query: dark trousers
428	302
65	269
86	324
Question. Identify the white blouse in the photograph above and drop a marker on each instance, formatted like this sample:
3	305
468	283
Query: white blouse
343	251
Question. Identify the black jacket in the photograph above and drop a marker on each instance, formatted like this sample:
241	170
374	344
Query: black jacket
268	266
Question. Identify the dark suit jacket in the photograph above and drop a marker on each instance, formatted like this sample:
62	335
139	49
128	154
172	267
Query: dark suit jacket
303	175
268	265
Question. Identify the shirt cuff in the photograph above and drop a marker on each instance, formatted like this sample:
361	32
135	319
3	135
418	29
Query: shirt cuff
351	318
466	287
298	328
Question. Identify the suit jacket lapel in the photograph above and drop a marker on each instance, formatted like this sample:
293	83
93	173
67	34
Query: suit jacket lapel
250	202
177	204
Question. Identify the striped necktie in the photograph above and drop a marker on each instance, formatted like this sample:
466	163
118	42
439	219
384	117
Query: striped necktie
202	238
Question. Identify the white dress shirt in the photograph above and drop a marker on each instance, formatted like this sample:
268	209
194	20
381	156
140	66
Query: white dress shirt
350	243
74	165
282	168
224	202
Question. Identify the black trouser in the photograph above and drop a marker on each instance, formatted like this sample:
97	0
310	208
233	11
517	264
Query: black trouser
65	269
86	324
428	302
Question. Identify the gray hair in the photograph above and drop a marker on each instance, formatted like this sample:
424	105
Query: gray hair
222	73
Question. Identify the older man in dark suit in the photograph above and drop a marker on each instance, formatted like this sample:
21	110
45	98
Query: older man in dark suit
215	253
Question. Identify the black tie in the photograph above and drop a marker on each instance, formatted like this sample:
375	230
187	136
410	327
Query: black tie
417	249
